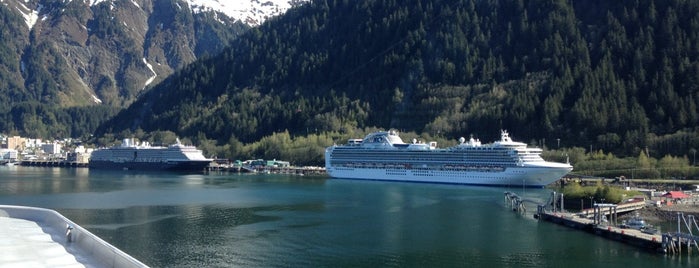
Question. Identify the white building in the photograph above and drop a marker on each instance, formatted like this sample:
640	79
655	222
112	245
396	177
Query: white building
8	154
51	148
80	149
33	143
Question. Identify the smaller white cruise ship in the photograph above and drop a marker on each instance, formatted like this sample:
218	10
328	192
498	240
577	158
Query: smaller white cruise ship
384	156
143	156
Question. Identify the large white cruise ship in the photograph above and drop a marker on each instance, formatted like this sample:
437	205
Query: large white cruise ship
130	155
384	156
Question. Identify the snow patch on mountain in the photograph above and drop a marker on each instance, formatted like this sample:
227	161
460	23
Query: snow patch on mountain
150	80
30	16
251	12
96	99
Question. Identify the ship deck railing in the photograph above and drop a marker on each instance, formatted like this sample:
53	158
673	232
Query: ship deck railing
37	237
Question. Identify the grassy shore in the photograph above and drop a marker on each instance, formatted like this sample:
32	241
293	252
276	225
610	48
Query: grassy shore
664	213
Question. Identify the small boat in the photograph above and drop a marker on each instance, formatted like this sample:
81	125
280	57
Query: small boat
650	230
635	222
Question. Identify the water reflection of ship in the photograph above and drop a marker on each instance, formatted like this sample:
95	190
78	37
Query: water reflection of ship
262	166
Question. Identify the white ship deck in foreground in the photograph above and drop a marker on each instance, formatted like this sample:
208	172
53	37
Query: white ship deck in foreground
384	156
36	237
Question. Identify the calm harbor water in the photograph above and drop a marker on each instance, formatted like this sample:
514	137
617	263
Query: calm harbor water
234	220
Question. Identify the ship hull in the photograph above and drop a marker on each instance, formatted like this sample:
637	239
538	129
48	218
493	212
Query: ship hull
152	166
384	156
513	176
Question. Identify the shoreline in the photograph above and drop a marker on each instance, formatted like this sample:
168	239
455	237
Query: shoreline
666	214
663	214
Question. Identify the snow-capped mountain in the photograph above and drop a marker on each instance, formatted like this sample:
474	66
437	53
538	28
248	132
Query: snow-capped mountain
86	52
251	12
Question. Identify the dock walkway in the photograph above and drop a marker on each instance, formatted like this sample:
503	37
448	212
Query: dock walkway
626	235
621	208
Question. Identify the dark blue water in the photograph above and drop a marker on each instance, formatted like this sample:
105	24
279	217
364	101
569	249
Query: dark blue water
231	220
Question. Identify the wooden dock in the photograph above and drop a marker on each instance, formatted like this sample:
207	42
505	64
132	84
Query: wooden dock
595	221
630	236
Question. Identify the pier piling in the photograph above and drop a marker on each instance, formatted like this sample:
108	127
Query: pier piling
515	202
672	242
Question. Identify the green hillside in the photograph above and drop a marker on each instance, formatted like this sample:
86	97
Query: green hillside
81	62
620	76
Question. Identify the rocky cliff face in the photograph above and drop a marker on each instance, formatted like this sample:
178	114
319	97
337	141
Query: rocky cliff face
86	52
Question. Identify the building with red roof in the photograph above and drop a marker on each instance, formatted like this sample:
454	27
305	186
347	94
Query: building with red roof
675	195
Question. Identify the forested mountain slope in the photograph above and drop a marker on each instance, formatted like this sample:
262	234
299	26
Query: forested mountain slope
616	74
65	66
